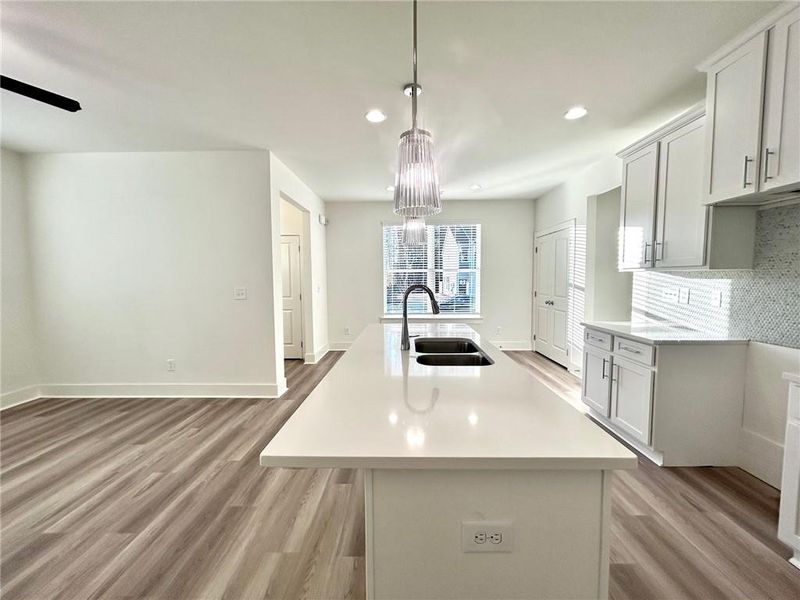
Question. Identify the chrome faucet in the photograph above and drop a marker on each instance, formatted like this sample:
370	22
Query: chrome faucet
405	344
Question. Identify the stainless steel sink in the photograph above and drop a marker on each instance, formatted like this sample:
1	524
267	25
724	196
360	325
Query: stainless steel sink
445	345
455	360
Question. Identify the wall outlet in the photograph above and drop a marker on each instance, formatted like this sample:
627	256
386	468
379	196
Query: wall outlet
671	296
683	295
487	536
240	293
499	330
170	364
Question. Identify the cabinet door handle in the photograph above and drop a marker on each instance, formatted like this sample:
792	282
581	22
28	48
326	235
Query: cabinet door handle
747	161
604	368
629	349
659	256
646	248
767	153
613	367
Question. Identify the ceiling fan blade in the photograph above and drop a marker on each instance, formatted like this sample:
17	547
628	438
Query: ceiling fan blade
36	93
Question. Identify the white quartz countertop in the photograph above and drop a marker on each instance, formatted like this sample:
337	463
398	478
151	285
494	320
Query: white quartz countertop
379	408
655	332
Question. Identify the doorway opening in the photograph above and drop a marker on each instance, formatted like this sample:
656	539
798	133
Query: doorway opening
292	254
552	296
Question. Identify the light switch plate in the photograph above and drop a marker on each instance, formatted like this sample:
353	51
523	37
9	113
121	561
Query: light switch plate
240	293
683	295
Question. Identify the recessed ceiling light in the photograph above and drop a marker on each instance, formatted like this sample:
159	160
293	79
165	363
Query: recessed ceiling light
475	187
375	116
576	112
389	188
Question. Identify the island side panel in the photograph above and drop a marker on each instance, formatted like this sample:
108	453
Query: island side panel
368	535
560	522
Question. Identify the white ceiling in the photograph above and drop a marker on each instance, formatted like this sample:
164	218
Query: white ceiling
297	78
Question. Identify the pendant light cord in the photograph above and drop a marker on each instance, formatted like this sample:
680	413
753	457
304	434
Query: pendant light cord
414	61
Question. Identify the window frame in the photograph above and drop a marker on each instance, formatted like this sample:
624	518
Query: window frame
430	273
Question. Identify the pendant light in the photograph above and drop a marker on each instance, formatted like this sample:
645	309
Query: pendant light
415	233
416	188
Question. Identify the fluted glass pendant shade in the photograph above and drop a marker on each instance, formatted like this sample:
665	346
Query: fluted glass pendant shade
416	188
415	233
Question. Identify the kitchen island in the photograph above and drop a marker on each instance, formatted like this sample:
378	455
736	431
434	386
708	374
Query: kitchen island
454	452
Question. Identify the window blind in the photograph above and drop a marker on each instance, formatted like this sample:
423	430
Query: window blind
449	264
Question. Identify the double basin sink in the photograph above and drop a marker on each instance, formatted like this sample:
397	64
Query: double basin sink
450	352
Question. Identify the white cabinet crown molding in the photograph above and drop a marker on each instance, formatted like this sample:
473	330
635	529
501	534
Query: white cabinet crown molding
692	113
756	28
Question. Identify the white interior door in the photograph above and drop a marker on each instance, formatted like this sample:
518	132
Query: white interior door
292	298
552	294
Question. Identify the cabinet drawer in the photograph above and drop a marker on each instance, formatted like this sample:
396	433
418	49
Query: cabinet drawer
598	339
642	353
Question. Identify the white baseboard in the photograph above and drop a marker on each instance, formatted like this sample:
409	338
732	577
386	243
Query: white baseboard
20	396
512	345
761	456
162	390
316	356
340	345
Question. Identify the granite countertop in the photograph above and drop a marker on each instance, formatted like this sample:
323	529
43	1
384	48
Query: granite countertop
656	332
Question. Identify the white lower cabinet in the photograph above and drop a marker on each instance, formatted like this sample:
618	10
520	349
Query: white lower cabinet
596	386
632	398
679	404
789	522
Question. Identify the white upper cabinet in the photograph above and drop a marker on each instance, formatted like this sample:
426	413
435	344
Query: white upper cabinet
753	107
637	213
734	121
780	165
663	211
681	212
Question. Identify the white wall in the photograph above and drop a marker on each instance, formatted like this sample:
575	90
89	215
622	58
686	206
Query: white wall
20	375
608	291
566	202
765	403
134	259
355	265
285	186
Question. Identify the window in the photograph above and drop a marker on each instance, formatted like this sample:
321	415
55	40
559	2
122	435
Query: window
449	264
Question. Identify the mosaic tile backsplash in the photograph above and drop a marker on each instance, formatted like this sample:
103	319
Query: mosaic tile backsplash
762	305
